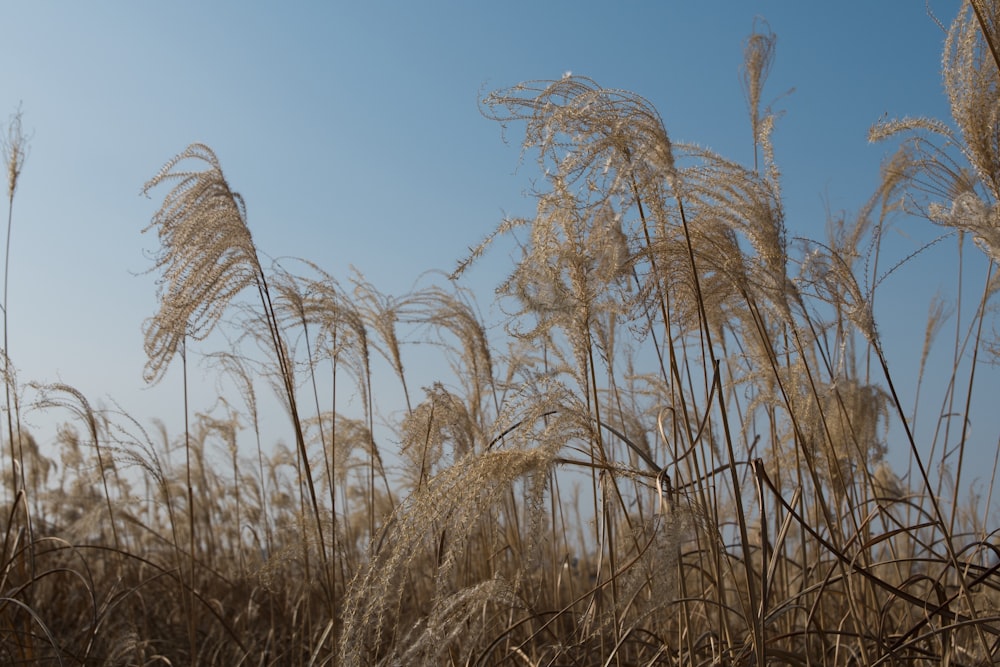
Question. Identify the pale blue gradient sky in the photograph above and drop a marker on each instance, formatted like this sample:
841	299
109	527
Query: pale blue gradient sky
353	132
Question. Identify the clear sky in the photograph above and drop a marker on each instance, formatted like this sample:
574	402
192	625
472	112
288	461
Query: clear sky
353	132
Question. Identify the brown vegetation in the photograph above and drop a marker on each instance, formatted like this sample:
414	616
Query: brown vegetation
677	456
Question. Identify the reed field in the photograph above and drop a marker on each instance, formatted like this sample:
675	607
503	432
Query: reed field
682	446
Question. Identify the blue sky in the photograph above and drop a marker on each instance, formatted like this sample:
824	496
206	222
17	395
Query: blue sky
353	132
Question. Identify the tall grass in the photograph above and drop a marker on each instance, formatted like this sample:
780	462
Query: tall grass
675	452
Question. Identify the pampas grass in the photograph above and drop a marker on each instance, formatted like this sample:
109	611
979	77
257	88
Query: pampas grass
675	450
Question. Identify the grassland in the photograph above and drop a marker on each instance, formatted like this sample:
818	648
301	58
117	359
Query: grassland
675	452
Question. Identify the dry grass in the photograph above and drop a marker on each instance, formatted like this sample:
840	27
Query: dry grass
677	455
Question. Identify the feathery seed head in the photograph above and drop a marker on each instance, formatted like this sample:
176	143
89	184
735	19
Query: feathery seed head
14	150
206	254
972	81
758	56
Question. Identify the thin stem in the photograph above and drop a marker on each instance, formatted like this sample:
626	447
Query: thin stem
963	437
192	620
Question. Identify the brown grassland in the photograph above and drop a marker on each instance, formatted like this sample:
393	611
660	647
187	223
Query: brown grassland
674	454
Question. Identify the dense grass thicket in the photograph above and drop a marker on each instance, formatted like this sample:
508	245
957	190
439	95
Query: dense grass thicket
675	451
